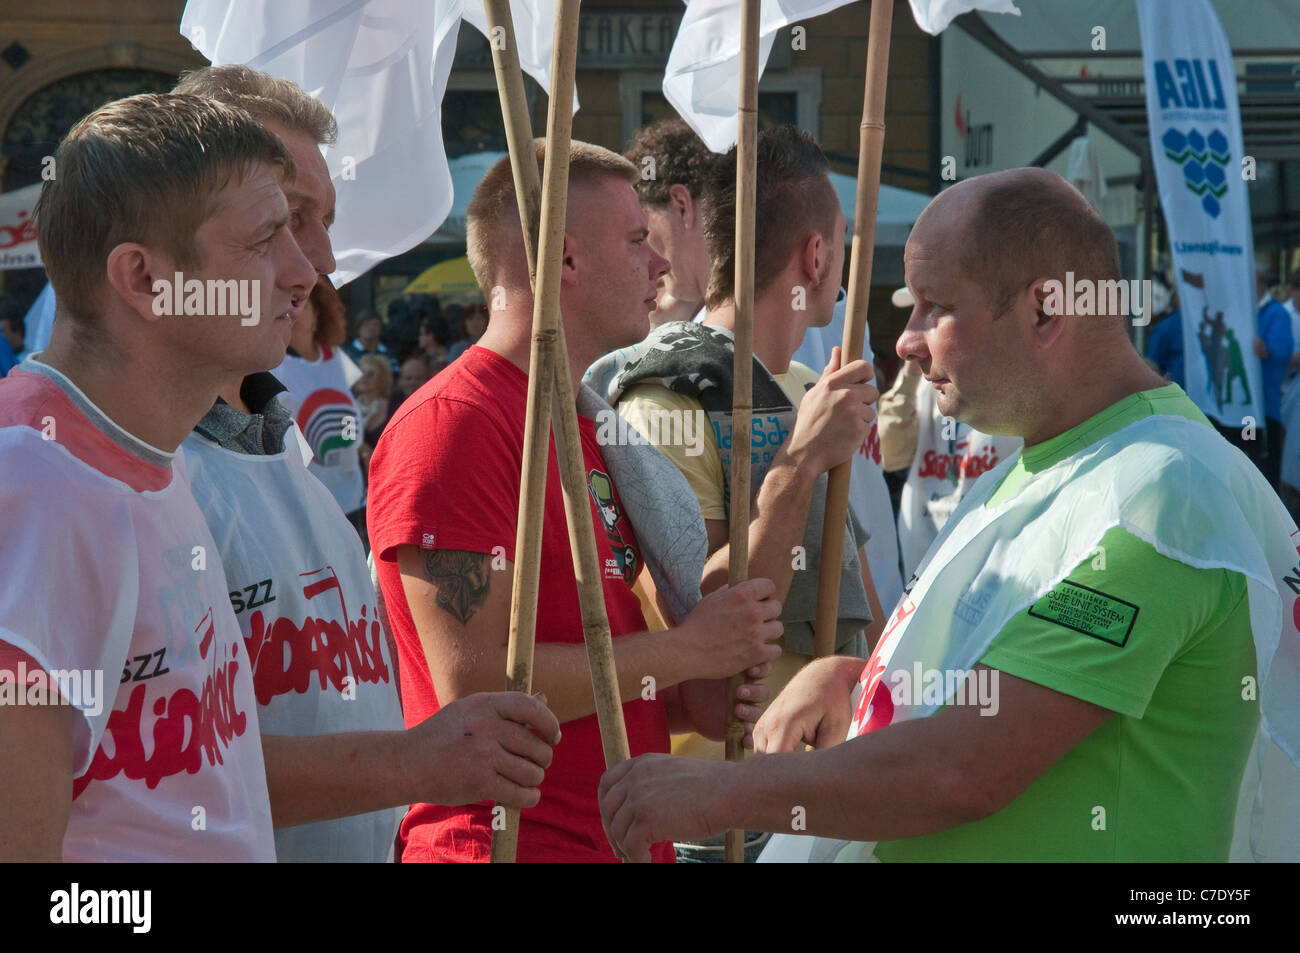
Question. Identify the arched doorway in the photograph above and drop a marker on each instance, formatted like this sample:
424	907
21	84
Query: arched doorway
41	121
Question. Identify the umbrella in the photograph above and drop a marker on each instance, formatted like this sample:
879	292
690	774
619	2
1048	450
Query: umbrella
447	277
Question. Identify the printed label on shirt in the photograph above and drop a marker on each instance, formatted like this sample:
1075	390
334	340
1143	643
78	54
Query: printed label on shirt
427	540
602	493
185	728
328	647
1088	611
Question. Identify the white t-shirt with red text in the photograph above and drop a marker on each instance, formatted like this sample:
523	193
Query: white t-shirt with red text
109	567
300	588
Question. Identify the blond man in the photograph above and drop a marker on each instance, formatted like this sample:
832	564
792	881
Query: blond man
444	498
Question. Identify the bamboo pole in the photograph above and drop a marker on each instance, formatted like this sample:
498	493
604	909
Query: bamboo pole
546	303
519	126
871	143
564	416
742	407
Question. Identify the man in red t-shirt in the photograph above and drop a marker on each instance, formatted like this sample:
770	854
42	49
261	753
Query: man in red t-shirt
444	496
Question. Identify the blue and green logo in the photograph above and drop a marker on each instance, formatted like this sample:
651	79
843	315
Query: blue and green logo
1204	160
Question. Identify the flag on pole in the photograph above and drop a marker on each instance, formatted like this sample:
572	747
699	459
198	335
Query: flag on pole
1196	148
381	67
702	80
933	16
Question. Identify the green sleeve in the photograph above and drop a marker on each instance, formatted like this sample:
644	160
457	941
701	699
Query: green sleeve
1110	629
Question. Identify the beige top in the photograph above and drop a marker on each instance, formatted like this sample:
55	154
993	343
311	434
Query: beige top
703	471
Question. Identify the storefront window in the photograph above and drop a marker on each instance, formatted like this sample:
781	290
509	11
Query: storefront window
471	122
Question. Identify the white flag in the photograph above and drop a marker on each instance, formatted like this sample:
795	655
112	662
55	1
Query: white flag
702	80
933	16
381	67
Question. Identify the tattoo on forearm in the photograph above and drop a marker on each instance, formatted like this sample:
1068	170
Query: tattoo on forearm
461	579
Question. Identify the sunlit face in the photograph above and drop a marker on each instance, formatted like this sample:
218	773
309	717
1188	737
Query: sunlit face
310	196
247	240
622	268
971	360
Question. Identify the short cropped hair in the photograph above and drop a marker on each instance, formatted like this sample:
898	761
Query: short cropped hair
493	238
264	97
1028	227
679	156
144	169
794	199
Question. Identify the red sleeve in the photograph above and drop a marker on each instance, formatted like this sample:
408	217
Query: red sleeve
11	655
15	661
444	476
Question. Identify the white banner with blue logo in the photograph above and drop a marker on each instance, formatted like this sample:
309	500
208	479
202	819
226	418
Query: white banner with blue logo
1197	152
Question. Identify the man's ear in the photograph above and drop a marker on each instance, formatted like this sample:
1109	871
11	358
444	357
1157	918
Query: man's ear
1048	300
142	280
812	258
680	198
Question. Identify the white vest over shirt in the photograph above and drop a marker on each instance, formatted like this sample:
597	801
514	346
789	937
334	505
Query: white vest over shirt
298	583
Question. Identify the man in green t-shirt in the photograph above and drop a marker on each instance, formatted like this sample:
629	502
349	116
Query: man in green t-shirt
1120	726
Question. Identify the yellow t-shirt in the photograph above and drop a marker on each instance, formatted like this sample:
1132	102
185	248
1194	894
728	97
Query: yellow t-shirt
701	464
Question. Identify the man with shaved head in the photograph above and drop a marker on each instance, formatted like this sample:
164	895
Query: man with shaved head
1071	673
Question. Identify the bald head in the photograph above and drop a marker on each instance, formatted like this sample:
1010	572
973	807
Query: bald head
1008	229
981	263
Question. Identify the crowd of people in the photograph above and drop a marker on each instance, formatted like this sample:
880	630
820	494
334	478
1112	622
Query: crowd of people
1277	345
1092	570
